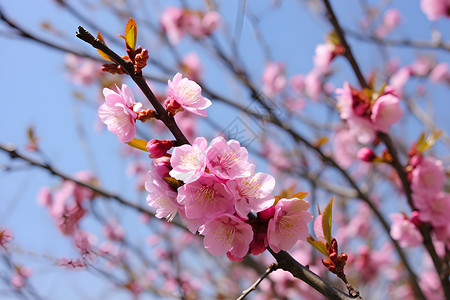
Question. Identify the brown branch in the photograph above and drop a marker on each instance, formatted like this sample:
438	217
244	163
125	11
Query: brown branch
348	51
128	67
288	263
434	45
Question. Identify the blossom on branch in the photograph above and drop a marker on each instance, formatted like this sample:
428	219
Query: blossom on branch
288	225
119	112
186	94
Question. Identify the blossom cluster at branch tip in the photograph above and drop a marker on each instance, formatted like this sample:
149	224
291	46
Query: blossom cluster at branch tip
214	188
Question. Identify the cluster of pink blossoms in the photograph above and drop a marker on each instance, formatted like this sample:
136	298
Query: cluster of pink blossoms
214	189
178	22
366	116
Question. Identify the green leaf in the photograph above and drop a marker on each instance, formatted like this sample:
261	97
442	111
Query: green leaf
326	221
131	33
318	245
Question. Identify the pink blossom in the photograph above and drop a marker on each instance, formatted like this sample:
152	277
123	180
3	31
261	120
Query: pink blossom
421	66
158	148
288	224
430	284
44	196
172	23
405	232
322	57
440	73
205	198
345	147
274	78
366	154
391	19
188	161
20	276
210	22
435	9
434	210
361	128
399	79
161	195
313	85
191	66
385	112
370	262
228	160
118	114
227	233
82	71
297	83
186	94
113	231
6	237
253	193
443	234
428	177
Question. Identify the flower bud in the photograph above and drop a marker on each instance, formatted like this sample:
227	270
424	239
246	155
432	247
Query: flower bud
366	154
158	148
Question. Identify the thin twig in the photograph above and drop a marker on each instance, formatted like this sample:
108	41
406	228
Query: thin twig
15	155
270	269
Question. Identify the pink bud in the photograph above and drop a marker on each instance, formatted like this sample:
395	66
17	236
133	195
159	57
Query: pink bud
267	214
158	148
366	154
415	218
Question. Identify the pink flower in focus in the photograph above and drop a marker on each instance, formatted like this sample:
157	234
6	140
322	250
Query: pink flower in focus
385	112
205	198
187	95
288	225
161	195
253	193
6	237
274	78
435	9
434	210
228	160
428	177
227	233
188	161
172	23
405	232
118	114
